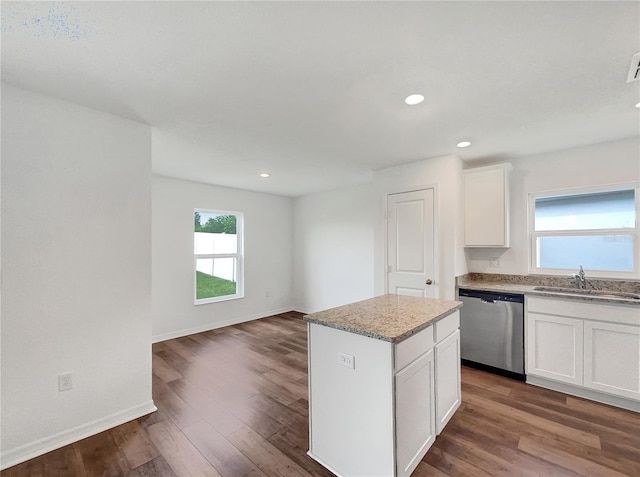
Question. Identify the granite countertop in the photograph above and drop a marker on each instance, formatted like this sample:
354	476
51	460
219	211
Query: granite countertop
388	317
527	285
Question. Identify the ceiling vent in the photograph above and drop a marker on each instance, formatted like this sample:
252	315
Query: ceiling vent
634	69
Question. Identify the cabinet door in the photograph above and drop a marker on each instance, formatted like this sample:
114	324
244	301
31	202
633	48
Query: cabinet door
554	347
447	379
486	206
612	358
415	413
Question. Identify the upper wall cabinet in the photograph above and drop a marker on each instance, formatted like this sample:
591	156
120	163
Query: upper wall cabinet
486	206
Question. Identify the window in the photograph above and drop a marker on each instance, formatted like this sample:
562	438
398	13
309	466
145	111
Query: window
596	228
218	264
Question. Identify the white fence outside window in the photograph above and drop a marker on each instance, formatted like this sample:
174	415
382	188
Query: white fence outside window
208	243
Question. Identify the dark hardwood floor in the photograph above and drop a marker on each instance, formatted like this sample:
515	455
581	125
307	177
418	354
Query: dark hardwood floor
233	402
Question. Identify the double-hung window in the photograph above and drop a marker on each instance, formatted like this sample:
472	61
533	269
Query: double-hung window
218	255
595	227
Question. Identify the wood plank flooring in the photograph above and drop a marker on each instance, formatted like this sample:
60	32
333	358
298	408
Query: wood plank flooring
233	402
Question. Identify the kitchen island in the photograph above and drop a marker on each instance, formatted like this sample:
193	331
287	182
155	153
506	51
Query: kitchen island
384	379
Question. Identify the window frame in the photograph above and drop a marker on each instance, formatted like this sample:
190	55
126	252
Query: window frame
533	235
239	256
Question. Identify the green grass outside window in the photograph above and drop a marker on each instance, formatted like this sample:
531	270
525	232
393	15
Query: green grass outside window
208	286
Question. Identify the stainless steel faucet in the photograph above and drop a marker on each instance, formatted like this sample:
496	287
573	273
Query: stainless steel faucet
580	278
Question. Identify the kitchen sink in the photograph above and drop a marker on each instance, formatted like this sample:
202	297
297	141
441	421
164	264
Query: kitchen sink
589	292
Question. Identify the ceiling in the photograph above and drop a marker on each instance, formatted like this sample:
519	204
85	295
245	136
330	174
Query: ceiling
313	92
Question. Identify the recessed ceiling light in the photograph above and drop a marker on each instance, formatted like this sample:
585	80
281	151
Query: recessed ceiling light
414	99
637	105
463	144
265	174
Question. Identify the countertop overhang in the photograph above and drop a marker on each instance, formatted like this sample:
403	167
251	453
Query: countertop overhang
391	318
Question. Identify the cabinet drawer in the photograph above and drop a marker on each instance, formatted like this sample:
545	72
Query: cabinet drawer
408	350
586	310
446	326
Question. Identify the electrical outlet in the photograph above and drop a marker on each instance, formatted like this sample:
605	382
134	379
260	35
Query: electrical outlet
494	262
347	360
65	381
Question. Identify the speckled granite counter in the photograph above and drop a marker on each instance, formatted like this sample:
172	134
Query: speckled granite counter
527	284
388	317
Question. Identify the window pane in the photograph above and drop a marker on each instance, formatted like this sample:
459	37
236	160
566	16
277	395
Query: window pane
606	210
593	252
215	277
208	243
214	233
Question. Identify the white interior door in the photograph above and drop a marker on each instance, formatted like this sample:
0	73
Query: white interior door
410	244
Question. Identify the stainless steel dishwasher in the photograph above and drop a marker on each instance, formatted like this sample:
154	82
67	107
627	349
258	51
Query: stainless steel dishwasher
492	331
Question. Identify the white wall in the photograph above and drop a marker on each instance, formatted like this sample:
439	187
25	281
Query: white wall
605	163
76	256
445	174
333	248
339	254
268	244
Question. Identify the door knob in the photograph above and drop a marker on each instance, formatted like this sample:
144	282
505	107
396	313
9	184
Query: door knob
429	281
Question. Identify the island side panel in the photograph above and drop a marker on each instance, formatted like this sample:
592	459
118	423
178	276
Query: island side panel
351	410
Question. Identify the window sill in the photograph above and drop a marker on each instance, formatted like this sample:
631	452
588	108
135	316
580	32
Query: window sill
217	299
591	274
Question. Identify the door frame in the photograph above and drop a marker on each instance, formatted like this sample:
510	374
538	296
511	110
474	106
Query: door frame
436	235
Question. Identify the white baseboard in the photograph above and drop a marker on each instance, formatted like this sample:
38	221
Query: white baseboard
219	324
304	311
42	446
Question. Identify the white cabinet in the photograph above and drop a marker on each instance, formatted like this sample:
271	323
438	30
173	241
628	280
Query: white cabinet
415	412
612	358
555	347
379	414
448	392
427	390
486	206
408	350
590	346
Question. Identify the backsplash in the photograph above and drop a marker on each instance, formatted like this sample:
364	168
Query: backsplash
626	286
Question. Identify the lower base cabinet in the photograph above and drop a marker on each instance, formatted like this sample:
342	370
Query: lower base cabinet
448	392
612	358
555	347
591	346
378	416
415	412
